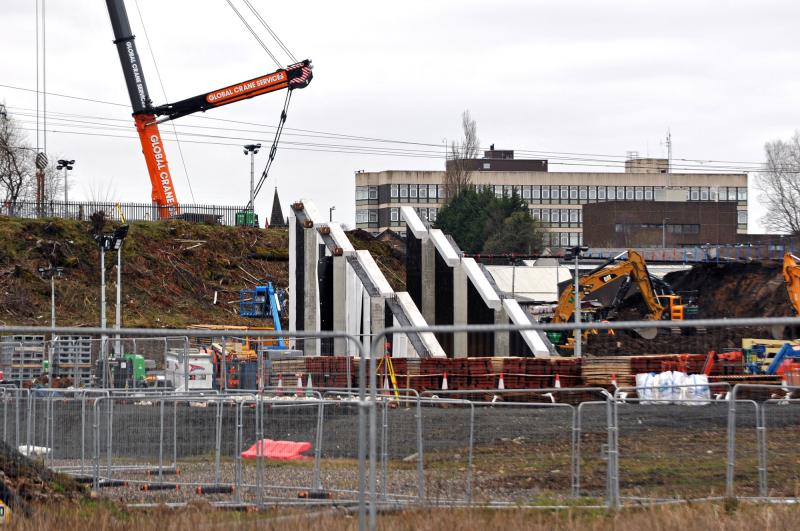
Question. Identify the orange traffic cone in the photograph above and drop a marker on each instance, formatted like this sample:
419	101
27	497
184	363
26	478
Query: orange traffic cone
501	384
280	385
444	382
299	385
614	381
558	382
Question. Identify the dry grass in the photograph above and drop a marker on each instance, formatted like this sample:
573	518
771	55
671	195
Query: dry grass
692	517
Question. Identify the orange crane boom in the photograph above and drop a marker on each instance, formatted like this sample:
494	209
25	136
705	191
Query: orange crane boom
146	116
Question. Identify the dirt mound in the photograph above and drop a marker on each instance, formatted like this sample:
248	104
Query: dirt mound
172	271
735	289
24	481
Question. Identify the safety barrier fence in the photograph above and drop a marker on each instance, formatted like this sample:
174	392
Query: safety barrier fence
540	447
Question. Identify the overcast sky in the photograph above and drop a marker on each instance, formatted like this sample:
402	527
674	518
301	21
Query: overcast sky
599	77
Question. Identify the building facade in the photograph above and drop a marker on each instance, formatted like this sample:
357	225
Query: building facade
555	198
660	224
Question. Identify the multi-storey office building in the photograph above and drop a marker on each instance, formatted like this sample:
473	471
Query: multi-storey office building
555	198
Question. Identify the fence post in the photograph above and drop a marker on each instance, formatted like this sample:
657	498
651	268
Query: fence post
469	451
318	446
729	469
161	441
761	430
612	484
420	457
576	449
218	449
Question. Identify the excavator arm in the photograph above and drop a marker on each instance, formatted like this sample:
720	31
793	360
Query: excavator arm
633	267
791	275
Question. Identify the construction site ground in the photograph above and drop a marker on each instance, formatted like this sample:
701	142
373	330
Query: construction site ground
521	454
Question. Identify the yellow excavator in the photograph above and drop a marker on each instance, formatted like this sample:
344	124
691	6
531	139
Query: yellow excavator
633	268
791	276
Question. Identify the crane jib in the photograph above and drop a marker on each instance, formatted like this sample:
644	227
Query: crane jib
249	88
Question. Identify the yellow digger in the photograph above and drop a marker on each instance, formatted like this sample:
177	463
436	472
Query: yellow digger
631	268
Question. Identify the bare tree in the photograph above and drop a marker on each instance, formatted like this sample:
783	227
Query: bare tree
780	184
458	174
17	168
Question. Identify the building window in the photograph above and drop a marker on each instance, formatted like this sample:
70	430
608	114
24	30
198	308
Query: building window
564	215
565	239
573	192
583	193
394	215
593	193
612	194
546	216
639	193
648	193
628	193
564	193
573	215
694	194
404	191
526	192
620	193
362	216
573	238
393	190
423	192
361	193
487	166
498	191
373	192
536	213
373	216
545	193
712	193
742	194
601	193
412	191
432	191
619	227
704	194
741	217
432	214
536	192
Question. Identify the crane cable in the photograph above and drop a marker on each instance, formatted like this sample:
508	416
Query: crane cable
253	33
272	33
274	147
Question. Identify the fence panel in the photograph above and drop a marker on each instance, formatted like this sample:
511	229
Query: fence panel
781	420
672	450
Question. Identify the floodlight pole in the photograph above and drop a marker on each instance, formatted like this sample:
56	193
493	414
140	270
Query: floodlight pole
103	354
118	315
577	294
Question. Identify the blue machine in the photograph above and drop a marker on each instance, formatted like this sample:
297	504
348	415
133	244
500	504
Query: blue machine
787	351
263	302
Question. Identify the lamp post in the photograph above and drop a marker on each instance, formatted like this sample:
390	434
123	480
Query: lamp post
252	149
106	243
330	213
51	273
575	253
65	165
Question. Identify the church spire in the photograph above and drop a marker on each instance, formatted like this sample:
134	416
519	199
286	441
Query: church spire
276	219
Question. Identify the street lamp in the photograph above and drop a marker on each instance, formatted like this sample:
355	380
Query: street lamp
65	165
252	149
51	273
330	213
575	252
107	243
